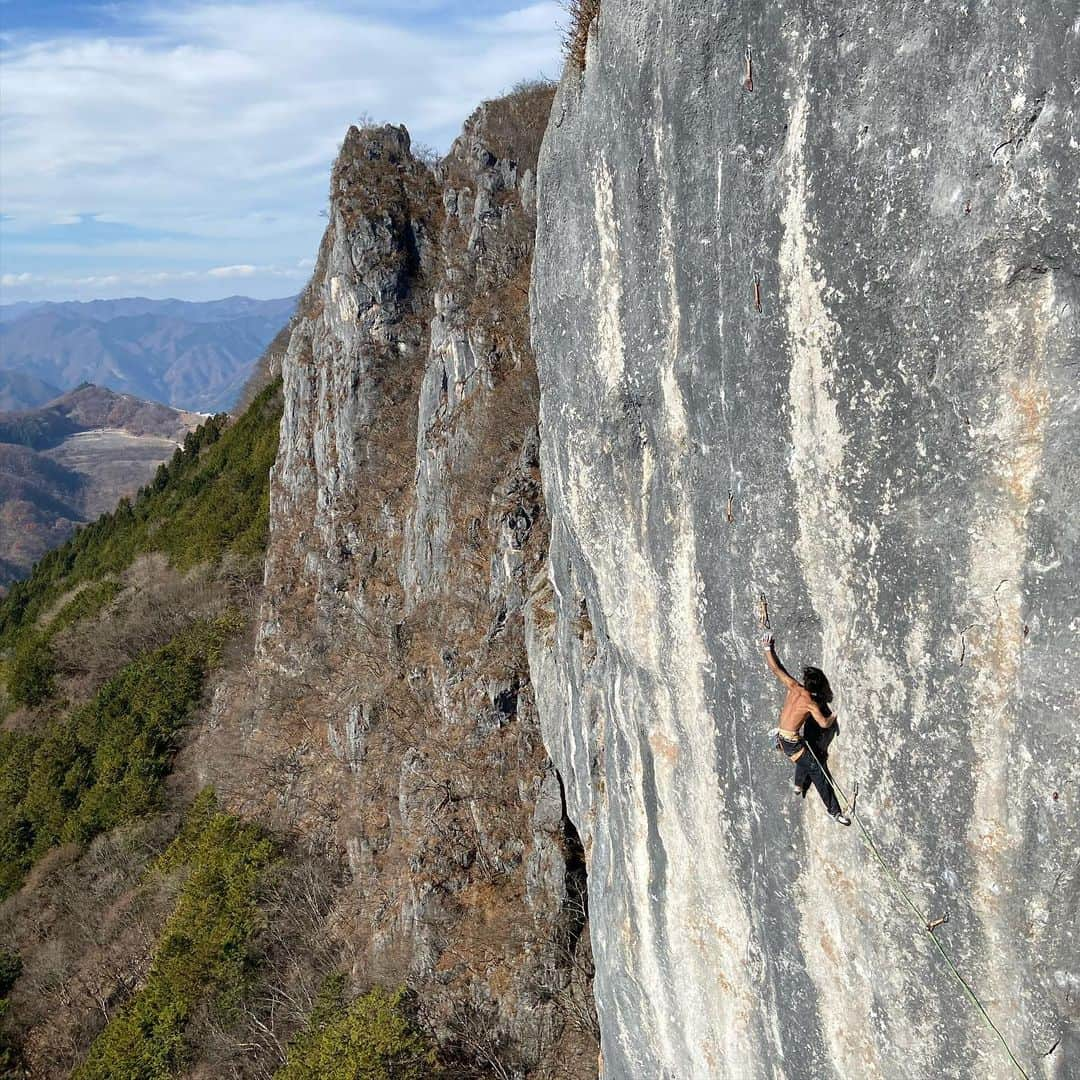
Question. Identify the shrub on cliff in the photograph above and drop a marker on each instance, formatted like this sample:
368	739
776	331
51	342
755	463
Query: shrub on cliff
371	1038
583	14
33	667
10	969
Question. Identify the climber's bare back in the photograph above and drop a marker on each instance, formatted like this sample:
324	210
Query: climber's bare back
798	707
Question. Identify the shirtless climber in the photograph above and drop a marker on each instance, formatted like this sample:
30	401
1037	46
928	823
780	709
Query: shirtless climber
806	702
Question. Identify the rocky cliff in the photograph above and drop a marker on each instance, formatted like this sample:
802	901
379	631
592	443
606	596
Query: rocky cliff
275	798
806	307
406	529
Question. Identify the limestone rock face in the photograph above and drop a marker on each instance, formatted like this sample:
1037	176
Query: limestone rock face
817	340
407	525
357	343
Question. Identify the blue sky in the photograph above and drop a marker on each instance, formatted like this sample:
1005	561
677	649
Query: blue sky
183	149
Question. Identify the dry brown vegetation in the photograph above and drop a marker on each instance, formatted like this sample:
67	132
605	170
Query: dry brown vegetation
85	928
583	15
515	124
87	924
155	604
373	181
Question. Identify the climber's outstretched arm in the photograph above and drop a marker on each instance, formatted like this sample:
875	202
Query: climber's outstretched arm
773	661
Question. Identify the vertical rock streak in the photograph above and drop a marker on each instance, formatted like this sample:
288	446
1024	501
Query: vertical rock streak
609	290
826	545
1012	435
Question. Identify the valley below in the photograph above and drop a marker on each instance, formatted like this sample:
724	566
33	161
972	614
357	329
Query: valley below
71	460
112	462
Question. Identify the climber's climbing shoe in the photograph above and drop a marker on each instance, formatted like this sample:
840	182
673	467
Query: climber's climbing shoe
800	791
841	819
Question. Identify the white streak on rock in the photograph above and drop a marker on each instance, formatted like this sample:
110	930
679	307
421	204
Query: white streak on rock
609	286
825	548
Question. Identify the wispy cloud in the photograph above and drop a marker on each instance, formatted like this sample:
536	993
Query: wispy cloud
80	284
203	133
244	270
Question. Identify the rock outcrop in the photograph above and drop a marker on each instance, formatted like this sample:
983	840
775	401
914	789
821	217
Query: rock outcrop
407	526
817	339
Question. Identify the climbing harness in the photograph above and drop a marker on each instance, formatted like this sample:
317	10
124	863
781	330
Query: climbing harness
929	926
791	746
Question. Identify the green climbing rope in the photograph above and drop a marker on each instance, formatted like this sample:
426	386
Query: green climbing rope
923	921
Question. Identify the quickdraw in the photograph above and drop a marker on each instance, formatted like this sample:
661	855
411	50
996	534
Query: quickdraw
763	612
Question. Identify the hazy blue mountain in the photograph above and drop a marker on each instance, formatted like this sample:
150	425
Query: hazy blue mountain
188	355
230	307
21	391
9	312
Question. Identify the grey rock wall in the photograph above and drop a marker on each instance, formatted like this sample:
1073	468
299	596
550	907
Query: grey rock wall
897	430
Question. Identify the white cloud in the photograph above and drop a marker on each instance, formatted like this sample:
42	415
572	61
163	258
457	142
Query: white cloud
218	122
138	279
244	270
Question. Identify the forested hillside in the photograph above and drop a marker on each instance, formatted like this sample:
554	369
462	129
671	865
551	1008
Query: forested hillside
107	649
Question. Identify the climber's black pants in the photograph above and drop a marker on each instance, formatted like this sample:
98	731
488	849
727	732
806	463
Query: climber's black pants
808	771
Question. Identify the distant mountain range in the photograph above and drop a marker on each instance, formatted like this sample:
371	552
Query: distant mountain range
188	355
71	460
21	391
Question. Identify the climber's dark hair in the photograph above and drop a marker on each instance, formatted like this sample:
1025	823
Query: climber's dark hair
817	685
